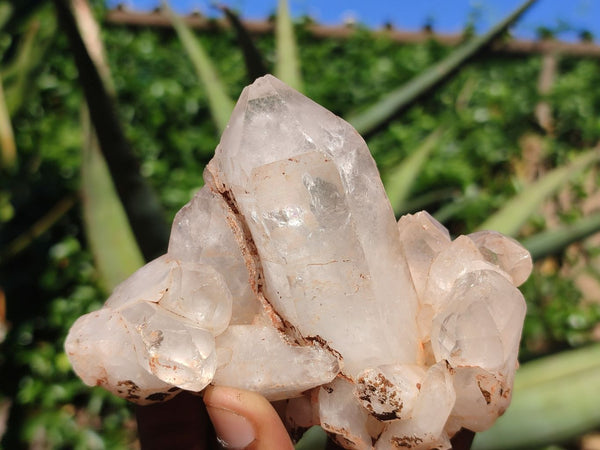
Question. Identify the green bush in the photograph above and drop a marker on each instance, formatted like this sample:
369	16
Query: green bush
487	109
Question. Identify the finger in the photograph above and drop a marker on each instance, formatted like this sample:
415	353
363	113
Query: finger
178	424
244	419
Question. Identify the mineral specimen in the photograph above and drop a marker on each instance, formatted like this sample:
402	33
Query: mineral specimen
287	274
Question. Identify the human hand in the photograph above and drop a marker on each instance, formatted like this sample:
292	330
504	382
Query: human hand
244	419
241	419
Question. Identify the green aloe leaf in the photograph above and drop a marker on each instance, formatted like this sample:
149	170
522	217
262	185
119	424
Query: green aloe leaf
109	234
457	203
8	147
555	399
401	179
14	13
219	101
315	438
382	111
515	212
287	68
30	53
255	65
426	199
141	204
43	224
555	241
6	10
13	86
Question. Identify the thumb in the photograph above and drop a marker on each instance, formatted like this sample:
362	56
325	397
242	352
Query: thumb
245	420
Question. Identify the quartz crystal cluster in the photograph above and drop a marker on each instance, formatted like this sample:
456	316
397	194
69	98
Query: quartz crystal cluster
288	275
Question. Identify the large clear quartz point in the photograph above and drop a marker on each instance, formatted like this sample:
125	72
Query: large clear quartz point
309	192
288	275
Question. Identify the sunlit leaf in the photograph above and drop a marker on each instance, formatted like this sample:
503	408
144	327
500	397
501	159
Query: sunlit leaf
30	54
8	147
400	180
219	101
139	200
287	67
425	200
555	399
515	212
555	241
6	10
382	111
109	234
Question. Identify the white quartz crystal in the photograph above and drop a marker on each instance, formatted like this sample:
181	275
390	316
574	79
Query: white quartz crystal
287	274
260	352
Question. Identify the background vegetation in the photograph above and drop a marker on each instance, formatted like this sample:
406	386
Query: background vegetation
493	146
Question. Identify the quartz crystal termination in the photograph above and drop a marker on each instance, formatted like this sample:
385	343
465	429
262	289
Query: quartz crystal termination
287	274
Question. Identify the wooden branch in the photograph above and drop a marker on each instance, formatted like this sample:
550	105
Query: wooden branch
121	16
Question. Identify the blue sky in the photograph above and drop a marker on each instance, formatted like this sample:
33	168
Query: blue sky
568	17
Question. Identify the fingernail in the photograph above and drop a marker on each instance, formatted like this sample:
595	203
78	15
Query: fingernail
233	430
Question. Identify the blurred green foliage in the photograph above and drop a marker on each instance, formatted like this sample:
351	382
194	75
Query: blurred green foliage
487	110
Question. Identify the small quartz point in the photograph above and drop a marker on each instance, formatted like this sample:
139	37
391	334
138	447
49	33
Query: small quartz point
260	352
288	275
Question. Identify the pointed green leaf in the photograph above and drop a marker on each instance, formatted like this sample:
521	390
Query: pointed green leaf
220	103
400	180
314	438
13	15
90	34
426	199
555	241
382	111
6	10
457	204
30	53
42	225
287	68
555	399
8	147
141	204
516	211
109	234
255	65
556	366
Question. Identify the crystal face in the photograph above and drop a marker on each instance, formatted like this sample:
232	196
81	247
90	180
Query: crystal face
288	275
